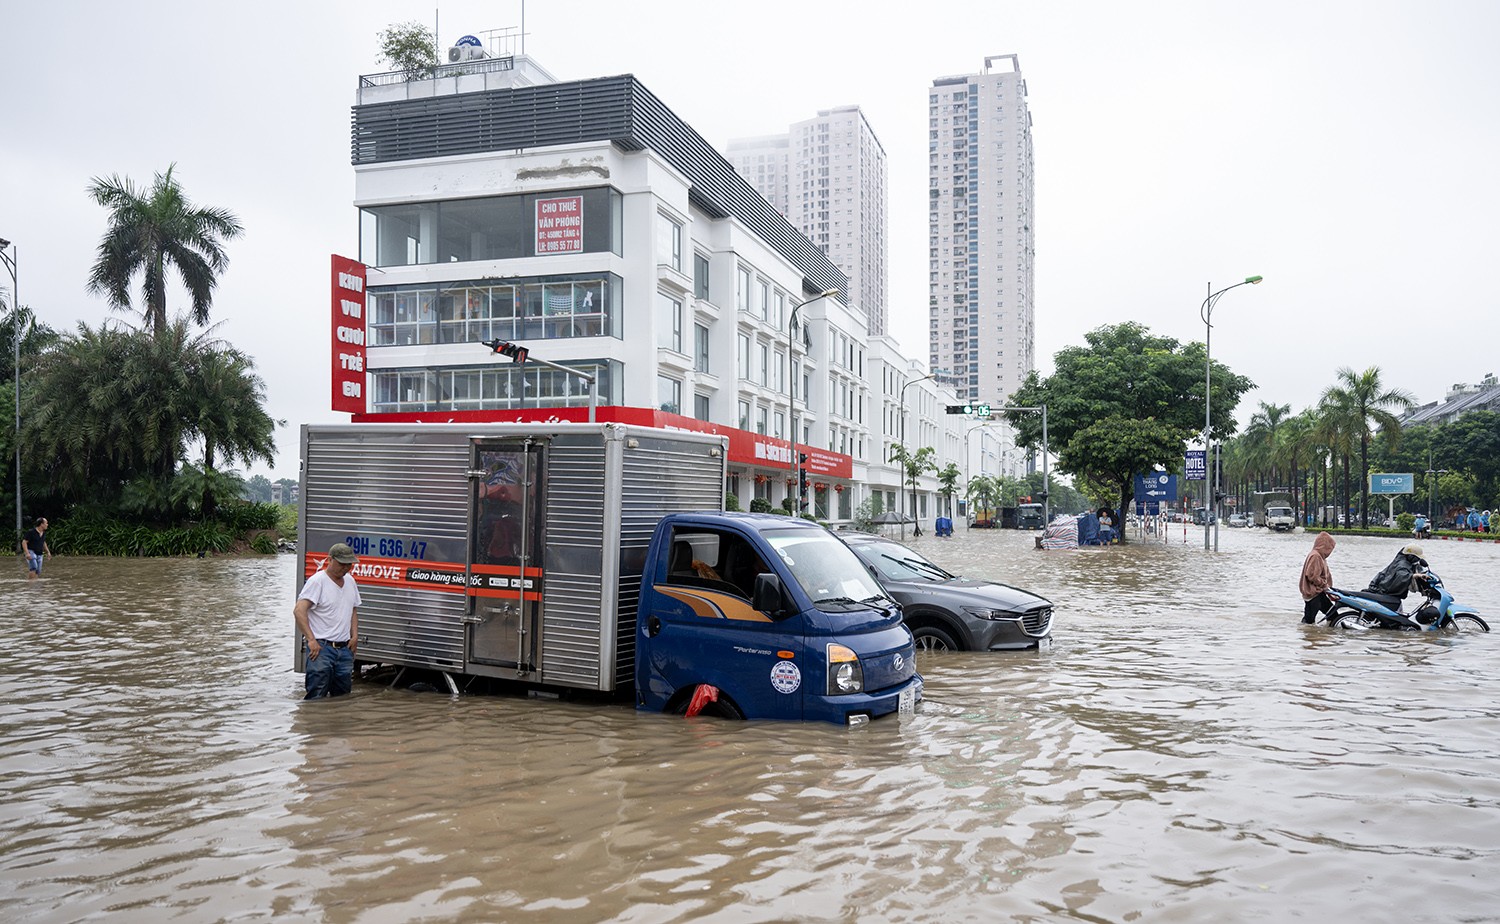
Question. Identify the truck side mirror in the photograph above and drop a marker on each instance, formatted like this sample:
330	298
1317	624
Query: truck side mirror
767	597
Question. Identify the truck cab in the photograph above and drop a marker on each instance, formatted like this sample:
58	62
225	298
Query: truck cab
1029	516
1280	519
774	615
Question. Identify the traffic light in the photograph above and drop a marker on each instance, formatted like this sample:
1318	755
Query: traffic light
958	409
802	485
515	351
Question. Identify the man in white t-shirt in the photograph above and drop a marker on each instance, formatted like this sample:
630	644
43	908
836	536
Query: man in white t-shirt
327	615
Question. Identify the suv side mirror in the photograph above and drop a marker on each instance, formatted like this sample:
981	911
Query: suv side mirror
767	597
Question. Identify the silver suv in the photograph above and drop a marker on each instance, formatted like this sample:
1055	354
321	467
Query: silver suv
946	612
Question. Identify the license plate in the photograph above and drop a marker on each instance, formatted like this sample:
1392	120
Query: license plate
906	703
1044	644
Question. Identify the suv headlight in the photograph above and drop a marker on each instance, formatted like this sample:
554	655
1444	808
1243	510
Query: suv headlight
844	672
985	612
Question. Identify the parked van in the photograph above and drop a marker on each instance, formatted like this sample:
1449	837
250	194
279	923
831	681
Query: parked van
597	557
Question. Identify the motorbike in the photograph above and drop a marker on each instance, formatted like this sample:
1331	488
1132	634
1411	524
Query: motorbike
1438	612
1421	529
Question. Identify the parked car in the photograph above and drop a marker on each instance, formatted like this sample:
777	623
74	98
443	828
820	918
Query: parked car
1238	520
946	612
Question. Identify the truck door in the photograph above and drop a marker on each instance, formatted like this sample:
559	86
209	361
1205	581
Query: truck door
506	538
699	626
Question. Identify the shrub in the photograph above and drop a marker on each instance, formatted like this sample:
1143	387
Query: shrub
263	543
760	505
731	503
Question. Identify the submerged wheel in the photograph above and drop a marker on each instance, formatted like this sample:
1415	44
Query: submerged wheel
1353	622
931	638
1467	622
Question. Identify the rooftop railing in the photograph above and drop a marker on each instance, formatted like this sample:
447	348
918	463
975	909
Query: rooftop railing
480	66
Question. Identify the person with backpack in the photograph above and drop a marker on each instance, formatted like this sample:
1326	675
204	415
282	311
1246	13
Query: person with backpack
1395	579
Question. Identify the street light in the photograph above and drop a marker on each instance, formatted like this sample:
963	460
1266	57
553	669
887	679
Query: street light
1434	472
1206	312
901	476
791	390
967	479
15	315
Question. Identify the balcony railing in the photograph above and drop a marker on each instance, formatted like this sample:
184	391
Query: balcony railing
480	66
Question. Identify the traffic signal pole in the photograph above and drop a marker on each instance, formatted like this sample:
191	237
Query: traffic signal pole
520	354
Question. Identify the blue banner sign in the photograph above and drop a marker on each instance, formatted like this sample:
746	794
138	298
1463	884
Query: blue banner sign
1196	468
1155	488
1393	484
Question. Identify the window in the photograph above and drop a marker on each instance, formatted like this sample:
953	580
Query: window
489	228
744	417
700	276
742	290
669	320
668	242
760	421
669	394
743	357
764	370
700	348
538	308
700	407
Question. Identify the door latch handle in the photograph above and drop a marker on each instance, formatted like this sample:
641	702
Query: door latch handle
653	626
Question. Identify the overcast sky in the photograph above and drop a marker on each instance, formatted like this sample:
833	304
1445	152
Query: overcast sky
1345	151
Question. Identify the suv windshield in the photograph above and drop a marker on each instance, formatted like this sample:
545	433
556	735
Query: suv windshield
898	563
824	566
1278	511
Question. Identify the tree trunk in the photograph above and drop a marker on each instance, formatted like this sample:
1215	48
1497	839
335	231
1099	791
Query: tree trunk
208	506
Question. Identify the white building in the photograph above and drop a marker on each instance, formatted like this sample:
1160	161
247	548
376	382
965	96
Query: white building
981	228
828	176
588	223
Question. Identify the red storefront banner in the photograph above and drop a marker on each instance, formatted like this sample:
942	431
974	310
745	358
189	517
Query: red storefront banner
348	362
559	225
745	448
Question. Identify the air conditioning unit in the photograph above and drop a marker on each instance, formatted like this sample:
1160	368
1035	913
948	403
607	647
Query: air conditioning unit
461	53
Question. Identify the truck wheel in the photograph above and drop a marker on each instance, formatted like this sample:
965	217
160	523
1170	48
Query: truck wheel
931	638
721	708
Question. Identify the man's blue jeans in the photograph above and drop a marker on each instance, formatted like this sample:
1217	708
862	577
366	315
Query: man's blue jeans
331	673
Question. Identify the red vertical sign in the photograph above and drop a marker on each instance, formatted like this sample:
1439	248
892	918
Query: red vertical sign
348	335
559	225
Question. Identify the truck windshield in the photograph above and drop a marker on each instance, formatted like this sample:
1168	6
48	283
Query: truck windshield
829	573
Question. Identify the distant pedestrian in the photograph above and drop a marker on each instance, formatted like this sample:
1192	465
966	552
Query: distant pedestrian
327	615
34	545
1316	579
1484	521
1474	521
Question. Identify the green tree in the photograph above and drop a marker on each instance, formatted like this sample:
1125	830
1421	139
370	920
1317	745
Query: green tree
409	47
1125	377
1363	404
117	407
913	466
983	492
151	231
257	489
948	485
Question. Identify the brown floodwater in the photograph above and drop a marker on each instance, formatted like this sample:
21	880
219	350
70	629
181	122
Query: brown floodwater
1187	751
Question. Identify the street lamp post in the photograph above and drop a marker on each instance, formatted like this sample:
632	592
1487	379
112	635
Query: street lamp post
791	393
15	315
1206	312
1432	491
901	475
967	479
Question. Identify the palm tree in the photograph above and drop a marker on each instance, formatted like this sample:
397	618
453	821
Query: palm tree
225	411
913	465
1364	403
150	231
1261	431
948	485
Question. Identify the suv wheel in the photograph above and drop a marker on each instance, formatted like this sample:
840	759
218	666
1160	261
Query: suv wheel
931	638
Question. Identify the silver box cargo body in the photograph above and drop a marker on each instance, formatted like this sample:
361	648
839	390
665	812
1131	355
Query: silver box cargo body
501	550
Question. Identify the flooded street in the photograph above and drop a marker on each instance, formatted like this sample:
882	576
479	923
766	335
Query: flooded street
1187	751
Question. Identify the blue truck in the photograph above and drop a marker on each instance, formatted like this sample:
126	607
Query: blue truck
597	557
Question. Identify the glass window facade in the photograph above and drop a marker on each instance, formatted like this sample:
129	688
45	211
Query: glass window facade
502	386
491	228
539	308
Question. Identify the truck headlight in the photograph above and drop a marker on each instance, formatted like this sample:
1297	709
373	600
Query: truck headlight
984	612
844	672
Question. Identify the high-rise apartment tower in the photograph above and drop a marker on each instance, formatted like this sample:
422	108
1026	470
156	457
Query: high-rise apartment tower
827	175
981	231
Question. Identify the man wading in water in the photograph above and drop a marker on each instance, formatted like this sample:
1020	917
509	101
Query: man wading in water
327	615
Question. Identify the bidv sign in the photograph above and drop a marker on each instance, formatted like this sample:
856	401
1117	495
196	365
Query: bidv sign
1393	484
